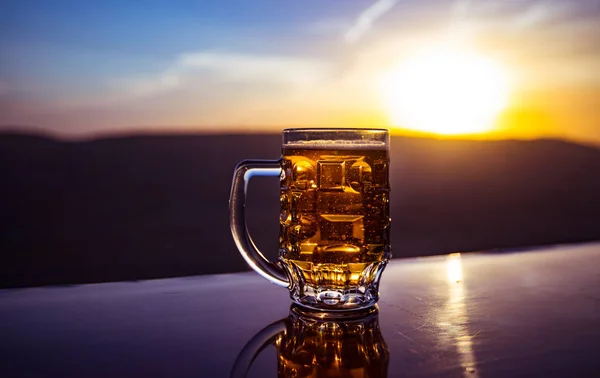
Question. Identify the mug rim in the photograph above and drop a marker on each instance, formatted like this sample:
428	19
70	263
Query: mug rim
331	129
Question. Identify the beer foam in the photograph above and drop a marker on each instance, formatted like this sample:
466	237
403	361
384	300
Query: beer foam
337	144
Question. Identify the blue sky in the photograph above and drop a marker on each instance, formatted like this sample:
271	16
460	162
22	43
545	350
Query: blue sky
81	67
73	40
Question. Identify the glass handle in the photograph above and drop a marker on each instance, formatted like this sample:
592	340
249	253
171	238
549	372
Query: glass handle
237	217
252	349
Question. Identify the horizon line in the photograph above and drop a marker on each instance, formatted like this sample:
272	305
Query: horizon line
32	131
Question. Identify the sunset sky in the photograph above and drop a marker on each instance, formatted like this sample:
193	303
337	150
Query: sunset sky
488	69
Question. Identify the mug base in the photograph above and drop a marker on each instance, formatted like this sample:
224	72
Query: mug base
336	302
333	314
333	297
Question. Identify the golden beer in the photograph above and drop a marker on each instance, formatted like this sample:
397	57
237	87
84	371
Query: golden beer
334	233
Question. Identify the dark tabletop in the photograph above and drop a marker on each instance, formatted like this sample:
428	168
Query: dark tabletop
527	313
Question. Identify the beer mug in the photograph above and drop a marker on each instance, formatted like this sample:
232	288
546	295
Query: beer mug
334	216
314	347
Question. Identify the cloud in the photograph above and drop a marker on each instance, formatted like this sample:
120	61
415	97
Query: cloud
366	18
242	69
148	87
513	16
206	71
249	68
537	13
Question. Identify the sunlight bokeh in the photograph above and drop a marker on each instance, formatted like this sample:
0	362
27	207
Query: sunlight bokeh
446	92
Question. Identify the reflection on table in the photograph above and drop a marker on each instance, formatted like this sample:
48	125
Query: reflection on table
454	318
312	346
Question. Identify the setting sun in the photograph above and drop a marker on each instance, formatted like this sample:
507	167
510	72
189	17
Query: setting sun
445	92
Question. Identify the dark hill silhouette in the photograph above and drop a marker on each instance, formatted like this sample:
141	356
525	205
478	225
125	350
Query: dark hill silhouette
156	206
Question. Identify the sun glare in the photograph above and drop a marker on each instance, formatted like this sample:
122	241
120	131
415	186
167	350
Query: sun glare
445	92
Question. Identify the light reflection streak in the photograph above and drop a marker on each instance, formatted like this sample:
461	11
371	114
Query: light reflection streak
454	319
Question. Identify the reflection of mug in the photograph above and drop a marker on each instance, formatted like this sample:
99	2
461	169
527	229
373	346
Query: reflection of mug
334	220
315	347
